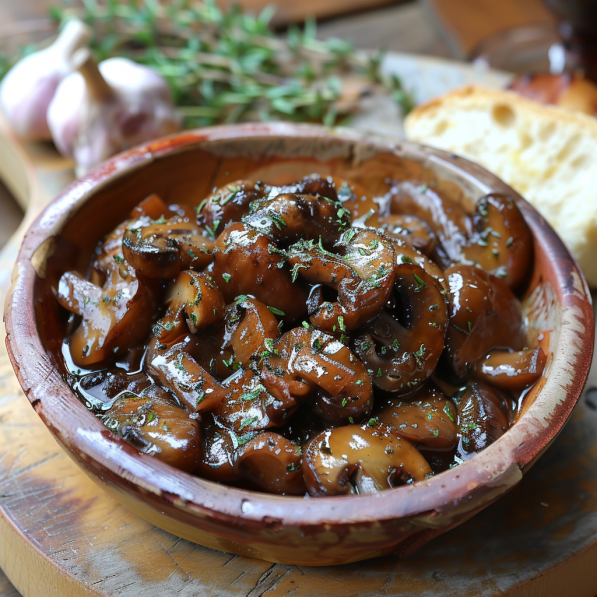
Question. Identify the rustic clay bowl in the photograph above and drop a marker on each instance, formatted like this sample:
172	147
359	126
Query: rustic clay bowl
289	530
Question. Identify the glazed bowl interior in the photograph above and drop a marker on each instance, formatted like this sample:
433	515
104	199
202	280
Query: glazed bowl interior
321	531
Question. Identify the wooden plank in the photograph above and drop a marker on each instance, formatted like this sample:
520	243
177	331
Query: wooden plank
465	23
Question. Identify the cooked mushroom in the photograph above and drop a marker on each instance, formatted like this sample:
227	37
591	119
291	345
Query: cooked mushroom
194	303
355	459
155	425
484	416
248	406
408	253
272	463
502	244
162	248
314	363
484	314
289	217
196	389
247	262
230	203
251	328
355	198
152	207
410	229
403	344
446	218
510	369
265	461
428	418
114	317
362	272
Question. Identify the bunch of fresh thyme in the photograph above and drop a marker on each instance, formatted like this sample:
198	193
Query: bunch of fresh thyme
230	66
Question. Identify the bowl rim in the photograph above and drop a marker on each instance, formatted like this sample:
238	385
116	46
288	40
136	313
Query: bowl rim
448	495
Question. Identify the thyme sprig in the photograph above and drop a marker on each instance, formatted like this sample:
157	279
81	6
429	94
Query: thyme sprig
230	66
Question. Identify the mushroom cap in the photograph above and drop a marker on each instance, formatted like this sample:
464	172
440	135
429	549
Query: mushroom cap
484	314
157	426
360	459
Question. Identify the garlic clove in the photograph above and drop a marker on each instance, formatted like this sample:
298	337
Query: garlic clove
100	111
28	88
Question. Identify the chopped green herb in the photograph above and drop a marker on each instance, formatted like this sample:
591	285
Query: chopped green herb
420	284
226	277
246	422
277	311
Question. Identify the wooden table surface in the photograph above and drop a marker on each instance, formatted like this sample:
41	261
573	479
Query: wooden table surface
448	28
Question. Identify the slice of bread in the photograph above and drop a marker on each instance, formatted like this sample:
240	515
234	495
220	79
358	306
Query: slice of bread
548	154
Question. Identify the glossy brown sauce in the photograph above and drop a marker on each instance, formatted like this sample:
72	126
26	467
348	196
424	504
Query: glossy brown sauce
267	340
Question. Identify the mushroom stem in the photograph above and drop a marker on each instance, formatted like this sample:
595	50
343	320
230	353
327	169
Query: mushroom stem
84	62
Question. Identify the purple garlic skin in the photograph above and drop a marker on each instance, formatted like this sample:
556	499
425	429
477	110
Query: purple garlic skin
28	88
99	112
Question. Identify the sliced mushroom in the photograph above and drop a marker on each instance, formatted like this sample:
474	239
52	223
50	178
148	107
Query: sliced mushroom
355	459
156	426
356	199
265	461
251	328
248	406
289	217
429	418
408	253
162	248
362	273
246	262
272	463
510	370
230	203
484	416
484	314
403	344
502	244
194	303
410	229
445	216
114	317
210	352
315	364
196	389
151	207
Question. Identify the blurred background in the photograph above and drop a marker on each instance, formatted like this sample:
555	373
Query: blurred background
445	28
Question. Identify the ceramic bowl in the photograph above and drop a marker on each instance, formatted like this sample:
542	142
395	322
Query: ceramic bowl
289	530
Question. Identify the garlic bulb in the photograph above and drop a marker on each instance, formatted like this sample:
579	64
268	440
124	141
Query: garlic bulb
28	88
98	112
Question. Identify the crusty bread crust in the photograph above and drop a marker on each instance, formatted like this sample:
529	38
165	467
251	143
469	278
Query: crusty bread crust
547	153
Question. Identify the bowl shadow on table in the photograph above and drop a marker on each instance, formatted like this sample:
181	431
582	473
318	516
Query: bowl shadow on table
548	517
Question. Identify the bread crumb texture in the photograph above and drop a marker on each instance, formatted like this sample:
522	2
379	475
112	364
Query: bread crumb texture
548	154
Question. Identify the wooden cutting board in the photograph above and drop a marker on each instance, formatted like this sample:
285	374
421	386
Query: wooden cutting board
61	535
